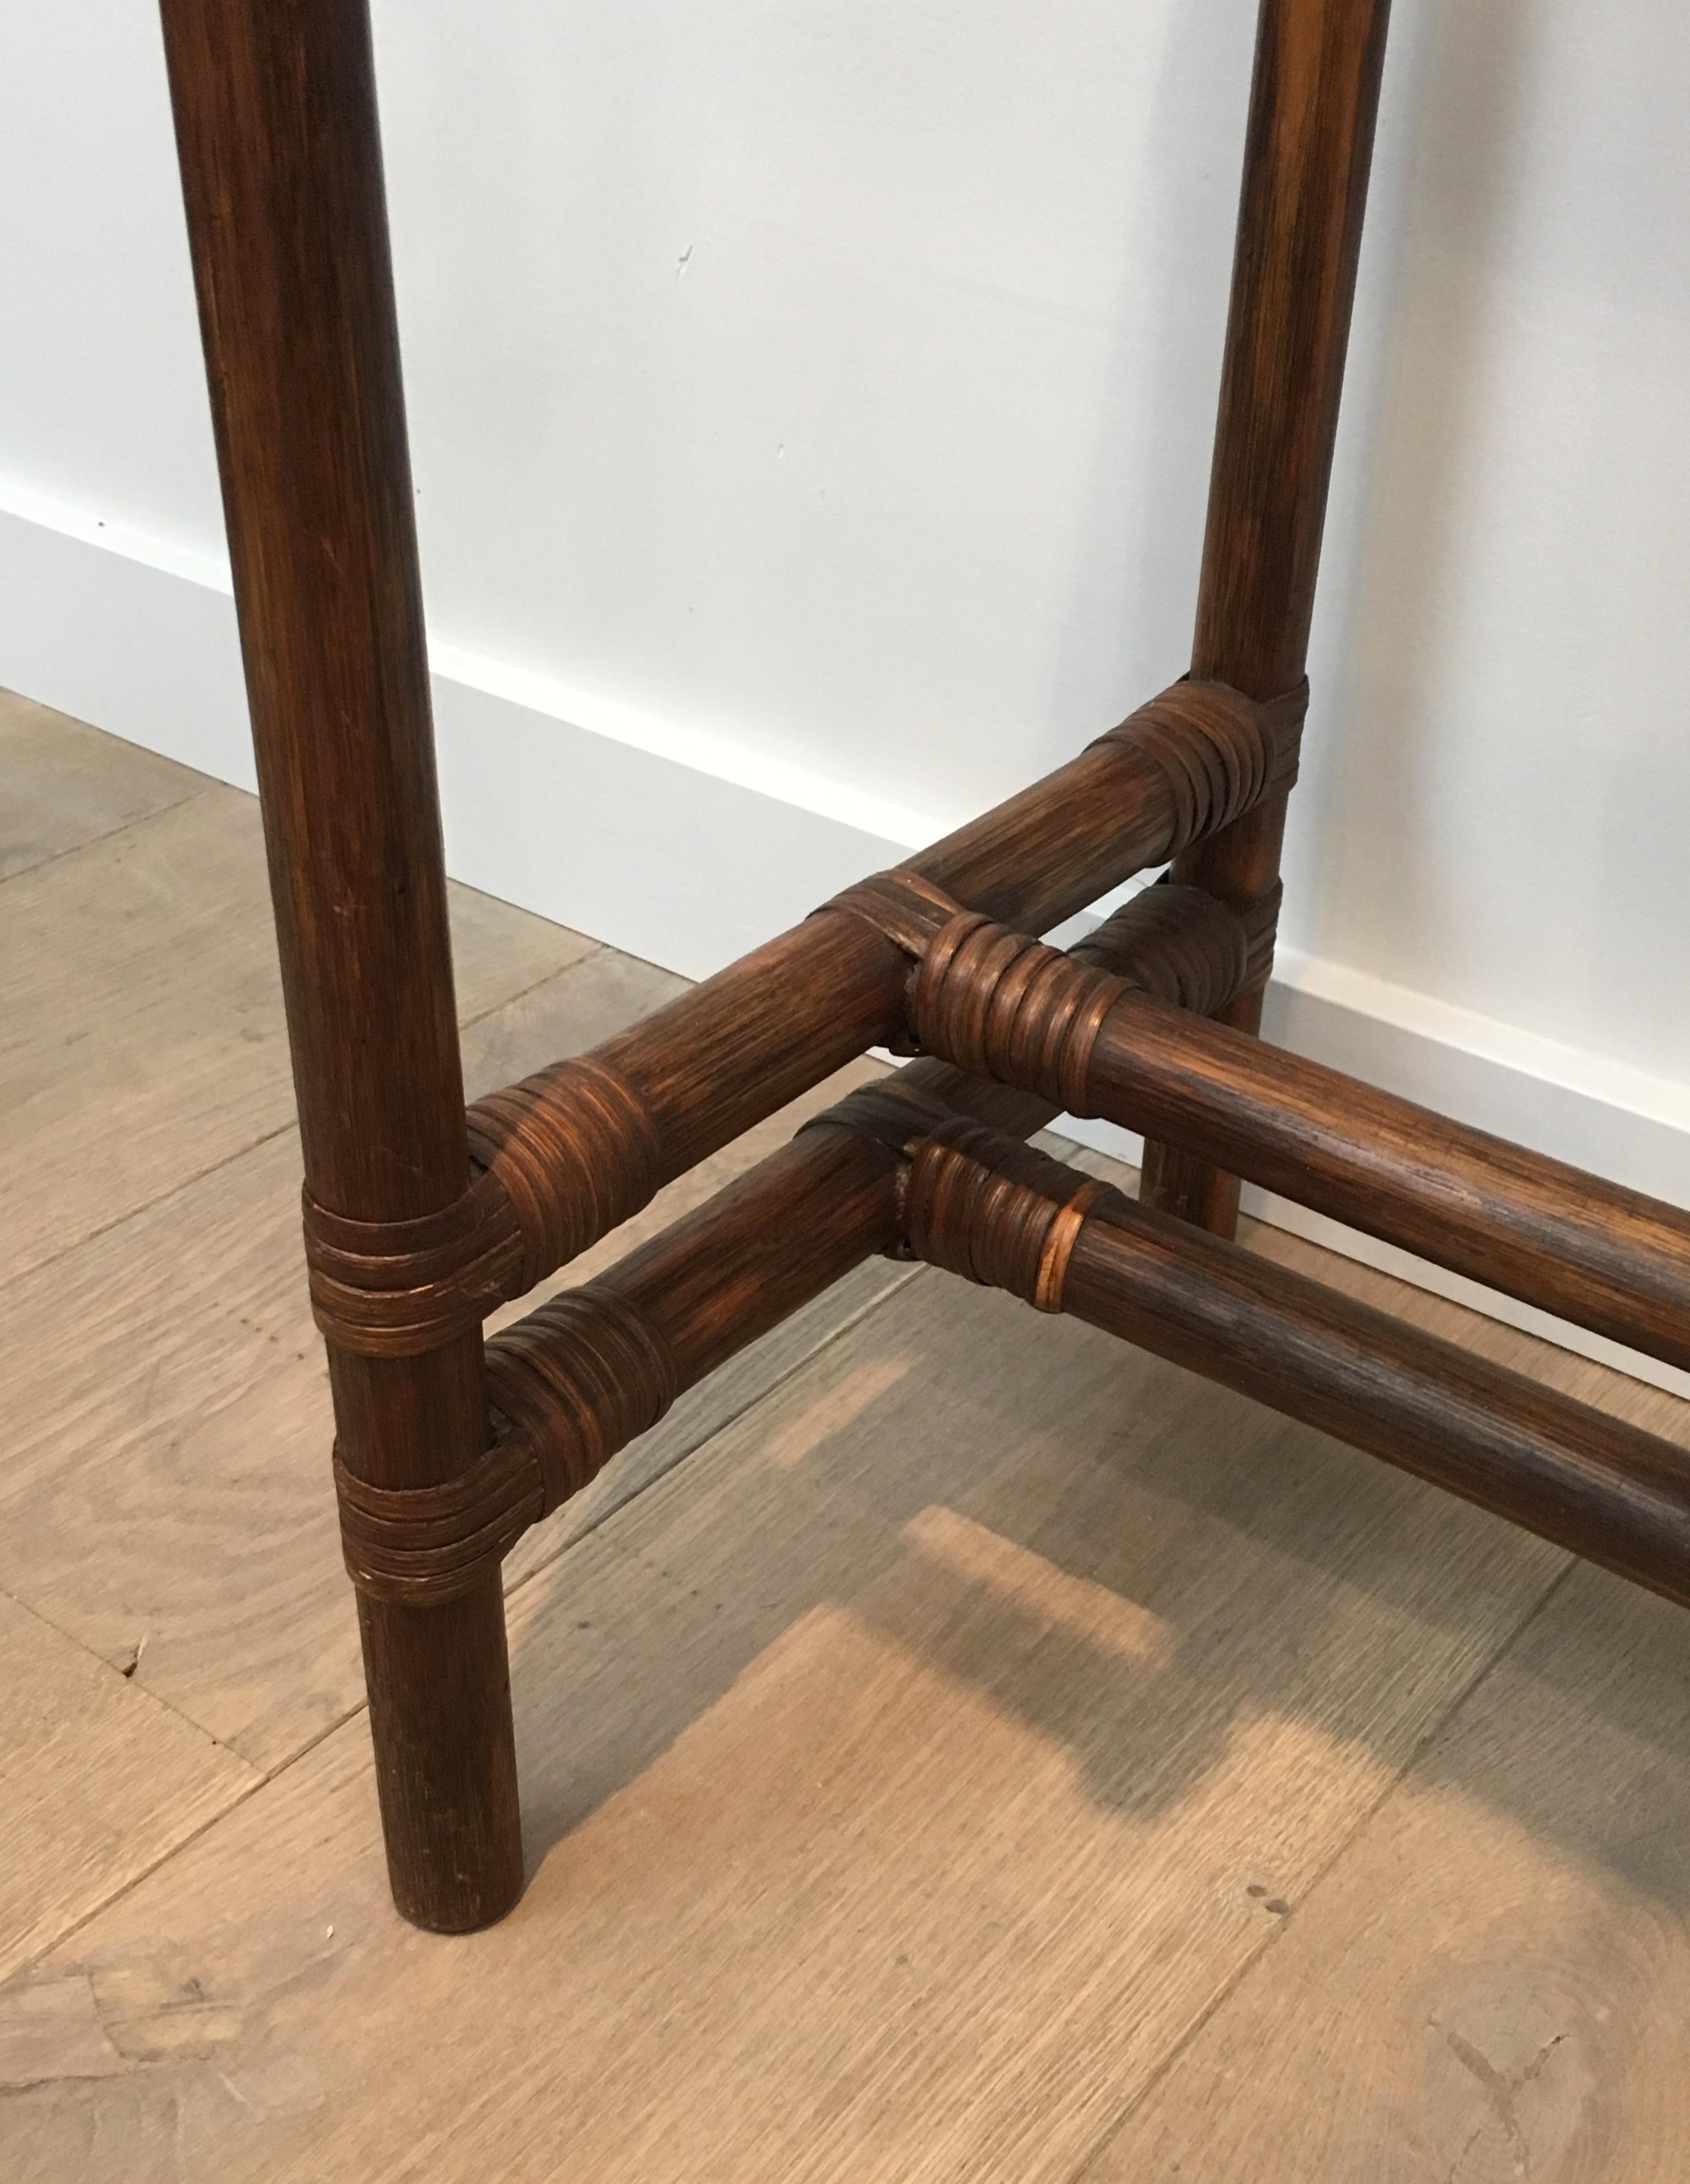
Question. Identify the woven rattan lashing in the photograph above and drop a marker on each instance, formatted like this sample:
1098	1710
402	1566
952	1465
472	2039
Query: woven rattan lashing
577	1380
1182	946
979	992
1003	1006
908	909
569	1385
576	1154
1221	752
997	1212
399	1289
559	1161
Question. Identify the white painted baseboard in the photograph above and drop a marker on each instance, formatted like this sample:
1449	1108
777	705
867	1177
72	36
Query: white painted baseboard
675	847
682	848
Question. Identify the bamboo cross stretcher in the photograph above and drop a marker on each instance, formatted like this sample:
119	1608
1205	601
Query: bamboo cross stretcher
421	1217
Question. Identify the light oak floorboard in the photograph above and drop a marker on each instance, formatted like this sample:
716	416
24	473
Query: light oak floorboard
63	783
1495	1981
141	1040
905	1777
166	1484
98	1781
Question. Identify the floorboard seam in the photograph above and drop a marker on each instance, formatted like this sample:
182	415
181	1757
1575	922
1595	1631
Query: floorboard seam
594	948
1340	1850
282	1129
148	1206
798	1365
111	834
256	1778
28	1607
74	1926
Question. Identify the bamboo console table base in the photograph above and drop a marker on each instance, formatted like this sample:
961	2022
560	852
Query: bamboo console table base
421	1218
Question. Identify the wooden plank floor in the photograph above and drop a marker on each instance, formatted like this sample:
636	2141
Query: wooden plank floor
991	1754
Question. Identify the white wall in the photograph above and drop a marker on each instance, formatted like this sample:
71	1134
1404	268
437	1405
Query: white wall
810	413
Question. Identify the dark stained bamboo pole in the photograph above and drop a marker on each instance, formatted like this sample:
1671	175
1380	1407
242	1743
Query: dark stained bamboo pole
999	1213
1313	105
276	127
1573	1475
578	1147
766	1245
1608	1258
724	1056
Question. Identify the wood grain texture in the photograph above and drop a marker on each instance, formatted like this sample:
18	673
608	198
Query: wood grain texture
906	1782
279	143
585	1373
1307	151
63	783
1584	1249
1576	1246
1309	147
1572	1473
1492	1982
1581	1377
98	1782
167	1478
141	1038
997	1213
571	1151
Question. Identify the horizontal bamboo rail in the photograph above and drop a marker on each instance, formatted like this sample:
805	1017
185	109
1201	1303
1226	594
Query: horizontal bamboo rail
999	1213
586	1371
1607	1258
579	1147
575	1150
726	1055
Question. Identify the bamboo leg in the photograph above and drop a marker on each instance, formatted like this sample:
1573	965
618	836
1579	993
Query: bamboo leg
276	125
1313	104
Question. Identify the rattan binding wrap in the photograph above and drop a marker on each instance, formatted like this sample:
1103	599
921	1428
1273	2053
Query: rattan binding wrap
559	1161
906	908
569	1153
569	1385
572	1152
979	991
397	1289
575	1154
998	1211
1219	753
